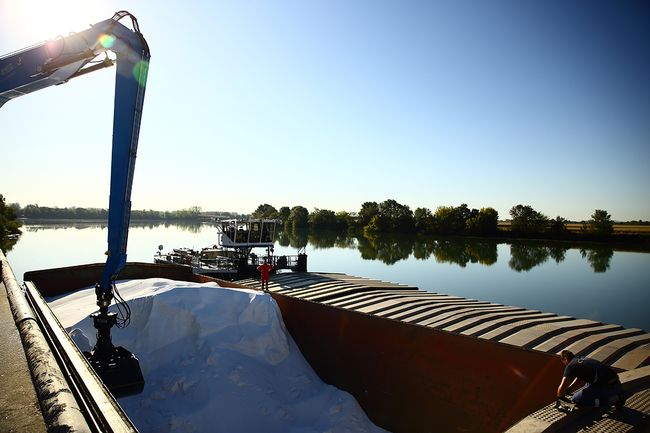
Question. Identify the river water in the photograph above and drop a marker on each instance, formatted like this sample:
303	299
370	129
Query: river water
591	282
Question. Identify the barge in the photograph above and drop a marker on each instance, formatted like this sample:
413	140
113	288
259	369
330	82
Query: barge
418	361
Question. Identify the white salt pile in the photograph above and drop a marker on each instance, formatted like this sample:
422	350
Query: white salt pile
215	360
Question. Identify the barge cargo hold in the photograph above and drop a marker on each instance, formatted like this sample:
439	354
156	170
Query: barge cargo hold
418	361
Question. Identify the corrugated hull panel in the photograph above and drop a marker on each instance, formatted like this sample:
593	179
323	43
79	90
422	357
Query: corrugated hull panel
624	349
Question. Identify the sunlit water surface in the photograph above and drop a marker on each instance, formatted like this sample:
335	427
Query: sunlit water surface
599	284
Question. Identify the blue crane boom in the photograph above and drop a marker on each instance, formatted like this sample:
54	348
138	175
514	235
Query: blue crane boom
55	62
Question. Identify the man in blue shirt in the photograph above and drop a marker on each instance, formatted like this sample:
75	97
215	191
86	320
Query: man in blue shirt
603	386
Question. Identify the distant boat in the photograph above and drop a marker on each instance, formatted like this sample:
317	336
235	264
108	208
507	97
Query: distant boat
233	256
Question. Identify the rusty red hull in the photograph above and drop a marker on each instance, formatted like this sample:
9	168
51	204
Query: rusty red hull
408	378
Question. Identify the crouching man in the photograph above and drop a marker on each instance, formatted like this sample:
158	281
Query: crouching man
603	387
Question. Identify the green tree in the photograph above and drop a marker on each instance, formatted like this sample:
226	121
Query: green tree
395	218
265	211
453	220
484	222
344	220
373	227
298	218
558	226
527	220
444	220
423	220
9	224
322	219
283	213
601	223
368	210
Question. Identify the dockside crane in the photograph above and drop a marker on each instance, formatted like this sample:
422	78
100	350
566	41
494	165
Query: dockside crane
55	62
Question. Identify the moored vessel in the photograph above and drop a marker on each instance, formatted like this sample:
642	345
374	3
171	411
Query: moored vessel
242	245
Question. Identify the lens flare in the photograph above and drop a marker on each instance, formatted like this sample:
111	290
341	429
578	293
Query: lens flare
518	373
107	41
140	71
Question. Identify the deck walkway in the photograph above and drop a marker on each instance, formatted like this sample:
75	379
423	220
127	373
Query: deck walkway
19	407
632	417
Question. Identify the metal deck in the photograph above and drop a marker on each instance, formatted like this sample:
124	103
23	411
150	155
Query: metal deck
633	417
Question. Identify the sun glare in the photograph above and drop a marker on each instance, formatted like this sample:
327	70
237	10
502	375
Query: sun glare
33	21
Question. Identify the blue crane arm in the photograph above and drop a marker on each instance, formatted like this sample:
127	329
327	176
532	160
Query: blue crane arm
56	62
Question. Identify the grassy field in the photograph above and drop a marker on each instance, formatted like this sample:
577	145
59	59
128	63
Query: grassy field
618	228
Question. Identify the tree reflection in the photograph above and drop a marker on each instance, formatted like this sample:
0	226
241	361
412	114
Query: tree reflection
389	249
463	251
482	252
186	226
460	251
598	257
368	247
64	226
451	251
189	226
326	239
295	238
423	248
524	256
558	253
392	249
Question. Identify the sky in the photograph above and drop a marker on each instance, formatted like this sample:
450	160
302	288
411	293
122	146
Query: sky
329	104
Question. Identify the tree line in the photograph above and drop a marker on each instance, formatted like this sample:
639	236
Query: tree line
390	216
9	224
193	213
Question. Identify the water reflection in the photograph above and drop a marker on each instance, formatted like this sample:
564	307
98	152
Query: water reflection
464	251
453	265
189	226
598	257
524	256
558	253
64	226
388	249
295	239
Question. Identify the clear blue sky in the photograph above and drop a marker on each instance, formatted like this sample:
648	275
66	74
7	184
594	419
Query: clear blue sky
332	103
